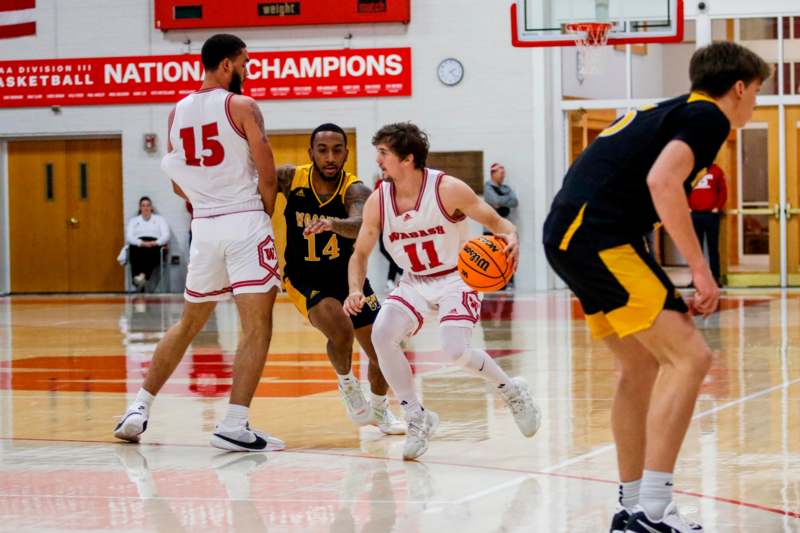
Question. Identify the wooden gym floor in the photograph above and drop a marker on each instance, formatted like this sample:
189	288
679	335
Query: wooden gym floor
69	366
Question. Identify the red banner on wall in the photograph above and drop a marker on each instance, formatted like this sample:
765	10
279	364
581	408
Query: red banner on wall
375	72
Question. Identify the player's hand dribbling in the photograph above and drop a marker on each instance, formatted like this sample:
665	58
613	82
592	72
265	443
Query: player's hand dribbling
321	225
706	296
511	249
353	303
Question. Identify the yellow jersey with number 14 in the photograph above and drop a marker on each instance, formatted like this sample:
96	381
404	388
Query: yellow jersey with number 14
323	257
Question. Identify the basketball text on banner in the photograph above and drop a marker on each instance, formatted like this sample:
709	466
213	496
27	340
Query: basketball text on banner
378	72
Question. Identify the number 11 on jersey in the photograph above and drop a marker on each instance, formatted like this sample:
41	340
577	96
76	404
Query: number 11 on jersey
413	256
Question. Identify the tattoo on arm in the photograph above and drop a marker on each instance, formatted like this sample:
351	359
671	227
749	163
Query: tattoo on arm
354	200
259	120
285	176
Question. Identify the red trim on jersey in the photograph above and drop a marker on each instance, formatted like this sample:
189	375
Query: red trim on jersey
405	302
196	294
382	208
230	117
465	302
170	121
226	214
419	195
441	205
435	274
272	269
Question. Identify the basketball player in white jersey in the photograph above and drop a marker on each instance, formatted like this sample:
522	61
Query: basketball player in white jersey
221	162
420	214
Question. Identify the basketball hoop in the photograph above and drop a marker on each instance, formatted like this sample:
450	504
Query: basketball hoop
591	39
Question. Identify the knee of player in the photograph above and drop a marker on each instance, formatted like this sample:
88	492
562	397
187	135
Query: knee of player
342	337
383	333
702	360
455	350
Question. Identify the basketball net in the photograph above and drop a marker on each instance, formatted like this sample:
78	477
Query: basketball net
591	39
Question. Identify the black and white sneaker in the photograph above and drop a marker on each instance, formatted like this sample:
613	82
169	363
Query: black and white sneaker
133	423
620	520
671	522
244	439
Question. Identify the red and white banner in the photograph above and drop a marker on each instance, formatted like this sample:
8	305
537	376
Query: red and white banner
16	18
157	79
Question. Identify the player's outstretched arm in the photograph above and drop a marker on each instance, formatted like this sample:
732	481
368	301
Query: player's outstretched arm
368	235
247	114
354	199
459	198
285	175
665	181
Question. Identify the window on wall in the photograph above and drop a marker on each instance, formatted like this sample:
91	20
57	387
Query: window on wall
467	166
662	70
760	35
791	55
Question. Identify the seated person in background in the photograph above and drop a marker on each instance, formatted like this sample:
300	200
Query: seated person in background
146	234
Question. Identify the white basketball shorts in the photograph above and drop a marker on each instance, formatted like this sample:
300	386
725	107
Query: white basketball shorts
231	254
457	304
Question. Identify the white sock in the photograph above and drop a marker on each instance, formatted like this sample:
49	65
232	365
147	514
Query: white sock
629	493
145	397
236	417
656	493
456	348
411	407
346	379
378	401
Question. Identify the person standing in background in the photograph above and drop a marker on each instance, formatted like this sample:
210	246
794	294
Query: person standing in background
497	194
707	201
501	197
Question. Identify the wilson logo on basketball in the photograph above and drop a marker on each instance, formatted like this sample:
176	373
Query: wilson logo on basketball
476	259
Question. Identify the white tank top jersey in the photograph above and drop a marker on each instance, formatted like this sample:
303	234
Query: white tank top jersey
210	158
425	240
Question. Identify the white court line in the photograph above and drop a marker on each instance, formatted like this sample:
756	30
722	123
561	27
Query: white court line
219	499
608	447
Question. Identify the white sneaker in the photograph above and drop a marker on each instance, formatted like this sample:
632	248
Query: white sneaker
139	280
671	522
244	439
526	414
358	408
421	428
384	418
133	423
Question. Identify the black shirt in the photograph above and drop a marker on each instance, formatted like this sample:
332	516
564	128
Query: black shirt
605	200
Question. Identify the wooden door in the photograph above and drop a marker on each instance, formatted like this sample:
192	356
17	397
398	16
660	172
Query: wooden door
37	186
65	212
756	239
793	194
94	214
292	149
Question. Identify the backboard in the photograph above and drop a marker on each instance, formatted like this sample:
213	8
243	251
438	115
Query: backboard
537	23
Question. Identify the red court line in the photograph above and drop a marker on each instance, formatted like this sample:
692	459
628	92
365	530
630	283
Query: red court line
721	499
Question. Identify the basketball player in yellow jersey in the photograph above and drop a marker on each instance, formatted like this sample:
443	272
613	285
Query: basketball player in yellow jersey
637	172
323	215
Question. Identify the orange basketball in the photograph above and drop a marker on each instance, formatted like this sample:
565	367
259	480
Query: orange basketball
483	264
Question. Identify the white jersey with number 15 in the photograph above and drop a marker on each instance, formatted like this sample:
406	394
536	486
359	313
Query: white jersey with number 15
210	158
